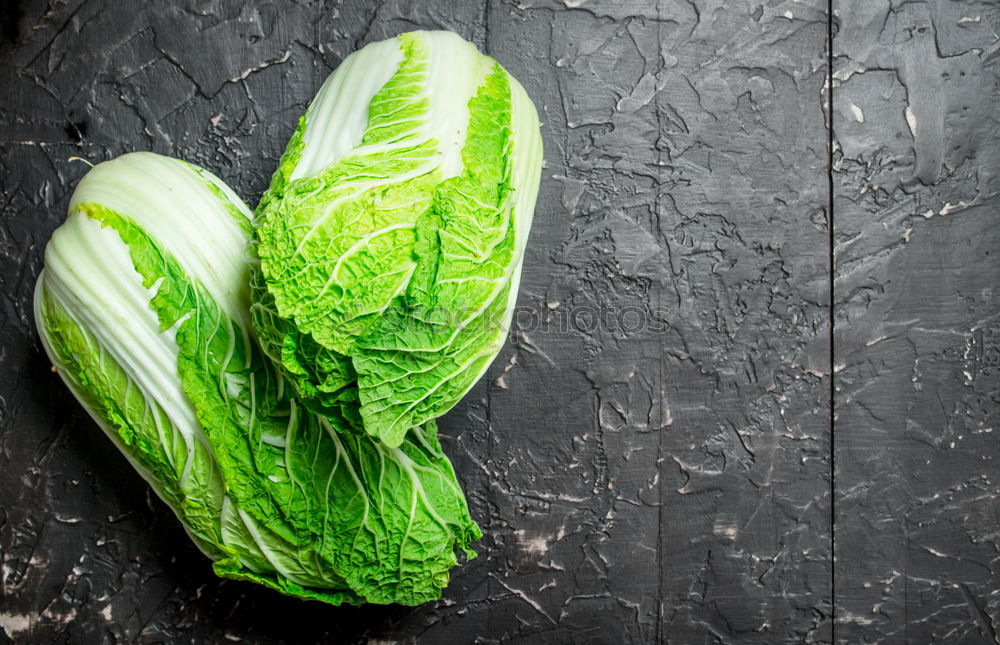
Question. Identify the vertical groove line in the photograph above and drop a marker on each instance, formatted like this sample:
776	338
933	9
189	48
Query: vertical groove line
661	393
833	281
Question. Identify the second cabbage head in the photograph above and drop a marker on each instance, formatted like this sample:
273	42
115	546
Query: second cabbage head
392	235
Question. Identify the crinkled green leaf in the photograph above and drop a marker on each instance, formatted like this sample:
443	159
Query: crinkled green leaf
391	237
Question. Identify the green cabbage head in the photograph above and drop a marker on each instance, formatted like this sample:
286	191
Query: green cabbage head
144	309
392	235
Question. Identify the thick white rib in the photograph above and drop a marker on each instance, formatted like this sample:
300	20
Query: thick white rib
170	201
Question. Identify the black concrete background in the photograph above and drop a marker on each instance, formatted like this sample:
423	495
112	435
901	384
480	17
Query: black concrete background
917	311
660	482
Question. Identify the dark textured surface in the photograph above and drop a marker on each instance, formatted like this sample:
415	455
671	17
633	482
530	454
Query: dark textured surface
635	485
917	223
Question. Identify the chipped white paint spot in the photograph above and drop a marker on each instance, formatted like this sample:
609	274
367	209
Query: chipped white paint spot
536	544
106	613
948	208
849	69
14	624
911	121
501	381
966	19
856	620
250	70
859	116
724	529
891	579
789	15
67	617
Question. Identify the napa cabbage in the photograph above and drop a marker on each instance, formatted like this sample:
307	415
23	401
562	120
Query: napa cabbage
144	310
391	238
